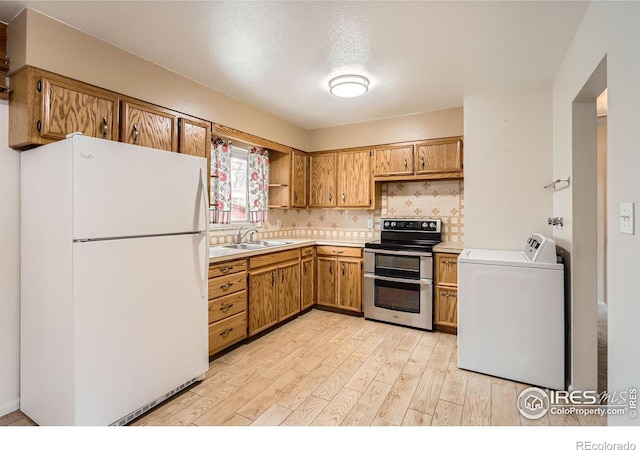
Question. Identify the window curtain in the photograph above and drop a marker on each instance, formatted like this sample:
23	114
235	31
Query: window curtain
258	164
220	182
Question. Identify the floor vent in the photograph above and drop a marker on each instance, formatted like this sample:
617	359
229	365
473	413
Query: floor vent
138	412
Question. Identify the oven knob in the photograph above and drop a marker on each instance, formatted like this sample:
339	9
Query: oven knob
425	225
432	226
393	224
386	224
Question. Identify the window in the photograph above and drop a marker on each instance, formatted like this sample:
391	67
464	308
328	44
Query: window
239	190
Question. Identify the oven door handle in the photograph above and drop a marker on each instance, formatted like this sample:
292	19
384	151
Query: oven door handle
396	252
398	280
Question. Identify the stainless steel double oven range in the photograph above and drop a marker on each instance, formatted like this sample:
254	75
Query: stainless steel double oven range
398	283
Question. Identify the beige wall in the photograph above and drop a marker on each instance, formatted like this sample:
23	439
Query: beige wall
507	161
9	269
59	48
608	29
429	125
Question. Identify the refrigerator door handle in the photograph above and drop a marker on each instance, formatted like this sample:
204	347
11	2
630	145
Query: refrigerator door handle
205	215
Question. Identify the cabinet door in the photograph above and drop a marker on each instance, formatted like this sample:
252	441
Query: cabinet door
288	290
149	126
326	294
446	307
447	269
440	157
263	306
354	179
308	283
195	137
298	180
393	160
69	106
350	284
323	180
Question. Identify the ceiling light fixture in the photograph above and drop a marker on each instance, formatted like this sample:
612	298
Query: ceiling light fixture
349	86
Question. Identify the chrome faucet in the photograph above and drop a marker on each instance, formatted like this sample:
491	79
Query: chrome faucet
241	235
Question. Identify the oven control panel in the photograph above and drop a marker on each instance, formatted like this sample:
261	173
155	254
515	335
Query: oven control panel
411	225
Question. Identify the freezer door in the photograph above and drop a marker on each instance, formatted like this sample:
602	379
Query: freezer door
128	190
140	322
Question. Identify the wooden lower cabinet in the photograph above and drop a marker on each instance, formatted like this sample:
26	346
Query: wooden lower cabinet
308	283
263	300
340	278
274	289
446	308
445	299
289	290
227	304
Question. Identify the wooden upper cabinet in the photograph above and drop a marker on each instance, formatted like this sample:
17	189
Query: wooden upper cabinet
323	180
393	160
439	157
194	136
148	125
45	107
69	107
354	179
299	162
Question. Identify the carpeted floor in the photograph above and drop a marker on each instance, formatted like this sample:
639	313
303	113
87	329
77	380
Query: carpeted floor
602	347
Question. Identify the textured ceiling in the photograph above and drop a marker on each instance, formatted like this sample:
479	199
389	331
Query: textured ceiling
279	56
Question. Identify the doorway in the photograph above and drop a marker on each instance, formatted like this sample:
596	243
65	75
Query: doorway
601	238
588	222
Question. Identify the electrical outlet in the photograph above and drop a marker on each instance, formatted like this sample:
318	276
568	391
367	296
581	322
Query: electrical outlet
626	218
370	224
279	223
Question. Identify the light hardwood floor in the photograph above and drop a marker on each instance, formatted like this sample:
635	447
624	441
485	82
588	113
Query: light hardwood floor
331	369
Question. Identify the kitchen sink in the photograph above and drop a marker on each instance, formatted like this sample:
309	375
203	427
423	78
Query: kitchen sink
271	243
256	245
244	246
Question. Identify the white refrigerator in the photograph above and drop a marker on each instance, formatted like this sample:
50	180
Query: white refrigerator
114	262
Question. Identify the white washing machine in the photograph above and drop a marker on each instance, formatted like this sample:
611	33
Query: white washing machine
511	313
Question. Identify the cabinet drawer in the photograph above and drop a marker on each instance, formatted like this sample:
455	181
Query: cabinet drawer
327	250
227	285
227	268
307	251
447	269
227	306
226	332
273	258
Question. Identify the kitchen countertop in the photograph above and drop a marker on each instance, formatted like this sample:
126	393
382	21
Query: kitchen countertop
217	253
449	247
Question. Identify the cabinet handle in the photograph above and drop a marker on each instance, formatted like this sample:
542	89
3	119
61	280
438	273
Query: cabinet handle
343	270
226	269
406	164
331	268
281	276
105	127
135	133
226	332
273	278
339	252
224	287
226	308
422	162
344	198
330	197
304	269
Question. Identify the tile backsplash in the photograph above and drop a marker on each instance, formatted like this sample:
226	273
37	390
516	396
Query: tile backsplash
442	199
